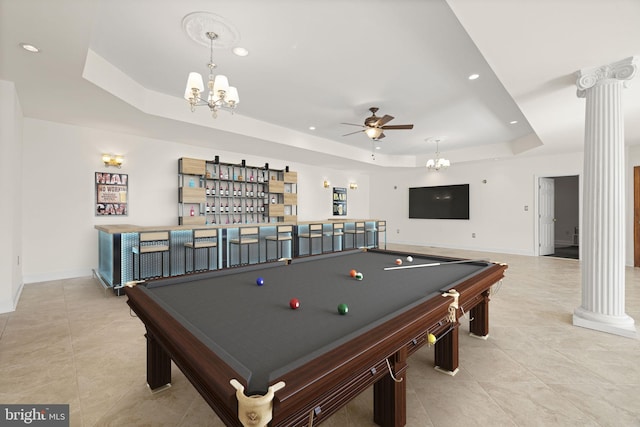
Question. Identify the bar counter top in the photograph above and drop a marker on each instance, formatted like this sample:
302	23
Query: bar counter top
131	228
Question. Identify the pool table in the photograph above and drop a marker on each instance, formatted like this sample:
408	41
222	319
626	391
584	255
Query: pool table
310	361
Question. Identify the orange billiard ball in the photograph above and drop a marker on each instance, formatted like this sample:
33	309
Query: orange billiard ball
353	273
398	261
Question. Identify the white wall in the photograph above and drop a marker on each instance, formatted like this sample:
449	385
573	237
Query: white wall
499	191
59	191
10	218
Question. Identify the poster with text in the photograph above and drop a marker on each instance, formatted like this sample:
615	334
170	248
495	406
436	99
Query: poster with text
339	201
111	193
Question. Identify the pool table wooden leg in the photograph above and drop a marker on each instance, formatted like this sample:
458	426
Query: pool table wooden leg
479	324
446	351
390	395
158	364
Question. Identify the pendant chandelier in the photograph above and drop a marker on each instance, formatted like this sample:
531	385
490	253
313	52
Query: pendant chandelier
439	162
221	95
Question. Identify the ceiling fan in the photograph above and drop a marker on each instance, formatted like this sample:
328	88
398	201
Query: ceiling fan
375	126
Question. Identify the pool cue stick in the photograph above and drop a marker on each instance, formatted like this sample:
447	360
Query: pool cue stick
434	264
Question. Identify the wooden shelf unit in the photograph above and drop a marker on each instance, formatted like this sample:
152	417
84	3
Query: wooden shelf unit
191	192
214	192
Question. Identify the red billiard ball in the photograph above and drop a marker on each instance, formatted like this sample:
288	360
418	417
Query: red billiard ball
294	303
353	273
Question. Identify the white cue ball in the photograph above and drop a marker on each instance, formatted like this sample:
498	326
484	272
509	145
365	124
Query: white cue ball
410	258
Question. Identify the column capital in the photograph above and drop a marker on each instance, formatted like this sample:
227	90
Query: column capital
623	70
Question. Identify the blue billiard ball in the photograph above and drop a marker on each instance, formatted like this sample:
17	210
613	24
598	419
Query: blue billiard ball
259	281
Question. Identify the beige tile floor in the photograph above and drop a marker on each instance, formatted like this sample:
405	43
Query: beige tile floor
69	343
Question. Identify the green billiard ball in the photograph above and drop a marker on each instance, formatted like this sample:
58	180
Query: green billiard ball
343	309
359	276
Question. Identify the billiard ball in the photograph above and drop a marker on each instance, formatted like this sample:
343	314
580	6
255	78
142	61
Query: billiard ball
359	276
259	281
343	309
431	338
294	303
410	258
398	261
353	273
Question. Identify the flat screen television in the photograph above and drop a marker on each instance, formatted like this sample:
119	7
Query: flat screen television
441	202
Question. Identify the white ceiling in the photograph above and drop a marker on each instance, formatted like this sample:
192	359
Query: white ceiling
122	65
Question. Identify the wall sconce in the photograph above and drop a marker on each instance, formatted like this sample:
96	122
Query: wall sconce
326	184
112	160
353	185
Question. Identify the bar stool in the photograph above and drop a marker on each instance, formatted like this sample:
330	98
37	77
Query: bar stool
150	243
382	229
201	239
313	232
370	229
247	236
337	230
355	232
283	234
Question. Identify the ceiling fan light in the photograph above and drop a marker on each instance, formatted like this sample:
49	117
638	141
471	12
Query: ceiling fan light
373	133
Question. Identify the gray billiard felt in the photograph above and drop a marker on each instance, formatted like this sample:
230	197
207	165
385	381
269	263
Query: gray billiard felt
255	331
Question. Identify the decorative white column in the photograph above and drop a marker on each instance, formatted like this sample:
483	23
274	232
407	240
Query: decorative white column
603	228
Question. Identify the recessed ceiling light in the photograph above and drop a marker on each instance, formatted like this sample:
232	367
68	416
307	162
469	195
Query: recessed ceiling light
29	47
473	76
513	122
240	51
312	128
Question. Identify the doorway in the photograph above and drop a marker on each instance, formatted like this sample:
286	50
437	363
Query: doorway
636	216
559	216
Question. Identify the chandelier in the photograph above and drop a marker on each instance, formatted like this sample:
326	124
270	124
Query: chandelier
221	95
439	162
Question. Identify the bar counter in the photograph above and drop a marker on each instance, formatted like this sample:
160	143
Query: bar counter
118	242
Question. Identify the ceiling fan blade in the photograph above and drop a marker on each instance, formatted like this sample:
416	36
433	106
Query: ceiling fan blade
351	124
385	119
397	127
358	131
380	137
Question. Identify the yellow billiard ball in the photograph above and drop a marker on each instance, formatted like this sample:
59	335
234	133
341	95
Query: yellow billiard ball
431	338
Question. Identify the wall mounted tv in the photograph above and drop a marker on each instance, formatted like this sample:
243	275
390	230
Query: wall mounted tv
441	202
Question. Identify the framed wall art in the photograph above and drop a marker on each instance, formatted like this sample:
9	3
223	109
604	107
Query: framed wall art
111	194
